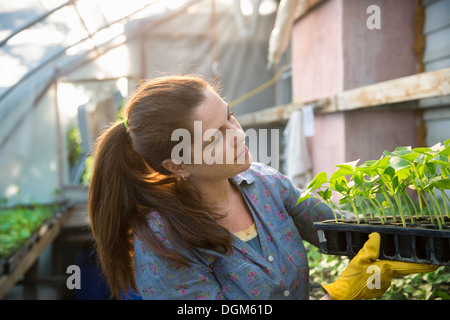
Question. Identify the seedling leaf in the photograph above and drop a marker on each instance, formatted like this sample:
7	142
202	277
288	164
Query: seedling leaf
359	179
318	181
345	169
390	172
303	196
399	163
441	184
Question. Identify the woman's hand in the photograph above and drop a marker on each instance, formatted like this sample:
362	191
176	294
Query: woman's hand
367	278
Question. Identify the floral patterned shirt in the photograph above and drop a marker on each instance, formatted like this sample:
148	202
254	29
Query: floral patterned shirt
280	272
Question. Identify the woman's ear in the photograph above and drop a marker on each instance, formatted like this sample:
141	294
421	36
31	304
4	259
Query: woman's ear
179	169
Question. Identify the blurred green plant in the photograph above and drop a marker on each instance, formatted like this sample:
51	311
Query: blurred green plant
323	269
74	153
87	174
18	224
429	286
73	145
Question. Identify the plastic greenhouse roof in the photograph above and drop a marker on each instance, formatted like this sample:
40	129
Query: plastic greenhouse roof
43	41
37	36
60	56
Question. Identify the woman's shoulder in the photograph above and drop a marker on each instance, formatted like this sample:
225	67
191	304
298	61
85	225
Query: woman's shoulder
263	168
263	172
156	226
268	180
155	221
157	230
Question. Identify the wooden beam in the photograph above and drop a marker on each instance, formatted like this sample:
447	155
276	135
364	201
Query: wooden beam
275	114
427	85
419	86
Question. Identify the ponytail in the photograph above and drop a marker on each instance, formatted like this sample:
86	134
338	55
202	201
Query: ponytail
112	202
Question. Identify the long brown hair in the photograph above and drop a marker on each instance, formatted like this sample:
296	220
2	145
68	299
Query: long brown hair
129	180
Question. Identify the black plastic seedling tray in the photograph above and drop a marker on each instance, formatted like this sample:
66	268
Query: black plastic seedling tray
420	242
2	266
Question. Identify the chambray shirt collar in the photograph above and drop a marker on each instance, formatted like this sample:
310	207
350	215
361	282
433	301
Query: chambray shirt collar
246	176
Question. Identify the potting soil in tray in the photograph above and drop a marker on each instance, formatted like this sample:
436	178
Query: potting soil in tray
419	242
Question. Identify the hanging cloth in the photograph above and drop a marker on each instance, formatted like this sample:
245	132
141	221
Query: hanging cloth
298	163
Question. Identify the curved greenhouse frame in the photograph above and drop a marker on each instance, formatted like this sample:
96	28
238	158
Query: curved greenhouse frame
71	64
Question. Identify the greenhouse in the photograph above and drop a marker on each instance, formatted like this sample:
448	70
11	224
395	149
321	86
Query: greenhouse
333	123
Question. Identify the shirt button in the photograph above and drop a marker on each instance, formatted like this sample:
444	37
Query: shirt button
286	293
270	258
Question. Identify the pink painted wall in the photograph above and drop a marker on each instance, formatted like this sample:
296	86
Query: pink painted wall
317	73
333	50
372	55
317	53
327	146
369	132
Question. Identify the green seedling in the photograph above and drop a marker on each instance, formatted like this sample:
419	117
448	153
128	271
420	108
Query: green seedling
18	224
385	187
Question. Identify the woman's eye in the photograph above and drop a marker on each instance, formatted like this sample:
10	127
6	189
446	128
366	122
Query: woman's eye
230	114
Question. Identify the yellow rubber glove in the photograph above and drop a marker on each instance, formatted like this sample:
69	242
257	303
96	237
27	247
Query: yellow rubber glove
352	284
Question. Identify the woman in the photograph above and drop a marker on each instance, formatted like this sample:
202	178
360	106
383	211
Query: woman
196	229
